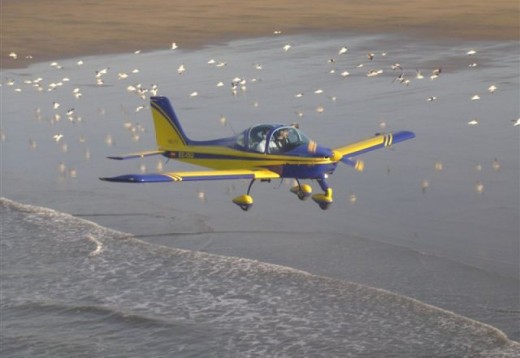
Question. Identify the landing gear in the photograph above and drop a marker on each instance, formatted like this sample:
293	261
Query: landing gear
323	200
302	191
245	202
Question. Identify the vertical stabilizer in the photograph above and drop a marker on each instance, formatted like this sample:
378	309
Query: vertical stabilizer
168	131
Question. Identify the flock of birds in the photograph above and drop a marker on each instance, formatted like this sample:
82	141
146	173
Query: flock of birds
236	86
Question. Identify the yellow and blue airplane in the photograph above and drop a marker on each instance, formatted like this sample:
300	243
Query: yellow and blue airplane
262	152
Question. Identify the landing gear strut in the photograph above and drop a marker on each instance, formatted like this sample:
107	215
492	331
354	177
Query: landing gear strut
245	202
302	191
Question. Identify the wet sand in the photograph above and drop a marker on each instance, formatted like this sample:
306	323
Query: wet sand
39	30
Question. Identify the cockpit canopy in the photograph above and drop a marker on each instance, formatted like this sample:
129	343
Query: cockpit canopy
271	138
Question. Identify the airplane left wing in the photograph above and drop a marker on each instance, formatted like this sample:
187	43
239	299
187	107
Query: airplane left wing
194	176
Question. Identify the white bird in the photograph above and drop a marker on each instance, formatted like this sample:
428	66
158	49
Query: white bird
194	94
342	50
373	73
475	97
370	56
102	72
473	122
55	105
13	55
516	123
174	46
139	108
318	91
57	137
345	73
479	187
181	69
496	165
471	52
432	98
122	76
286	47
492	88
425	184
79	63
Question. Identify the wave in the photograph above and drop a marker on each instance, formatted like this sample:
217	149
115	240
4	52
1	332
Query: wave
258	308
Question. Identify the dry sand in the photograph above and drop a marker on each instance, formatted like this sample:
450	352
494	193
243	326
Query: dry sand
53	29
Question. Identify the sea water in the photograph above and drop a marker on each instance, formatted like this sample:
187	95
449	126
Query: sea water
70	287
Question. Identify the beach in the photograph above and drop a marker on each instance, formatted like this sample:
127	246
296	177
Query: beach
45	30
425	239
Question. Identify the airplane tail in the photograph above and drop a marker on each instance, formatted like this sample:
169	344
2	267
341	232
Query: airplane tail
168	131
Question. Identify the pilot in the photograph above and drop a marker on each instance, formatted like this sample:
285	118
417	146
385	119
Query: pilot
280	141
260	147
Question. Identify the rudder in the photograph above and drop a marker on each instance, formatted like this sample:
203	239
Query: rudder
168	131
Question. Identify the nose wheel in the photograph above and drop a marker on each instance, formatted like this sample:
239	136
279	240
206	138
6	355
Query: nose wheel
323	200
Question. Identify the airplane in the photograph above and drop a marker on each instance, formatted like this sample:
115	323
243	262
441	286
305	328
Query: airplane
262	152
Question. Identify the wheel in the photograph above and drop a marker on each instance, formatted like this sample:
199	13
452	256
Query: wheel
324	206
302	195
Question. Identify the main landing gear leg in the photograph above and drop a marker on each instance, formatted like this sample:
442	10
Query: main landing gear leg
323	200
302	191
245	202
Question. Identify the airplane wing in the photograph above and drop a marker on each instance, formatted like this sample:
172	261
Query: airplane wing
370	144
137	155
194	176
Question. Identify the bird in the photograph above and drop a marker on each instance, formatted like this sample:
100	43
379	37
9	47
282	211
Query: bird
174	46
496	165
471	52
181	69
370	56
13	55
475	97
479	187
342	50
516	122
55	105
57	137
425	184
286	47
492	89
373	73
431	98
473	122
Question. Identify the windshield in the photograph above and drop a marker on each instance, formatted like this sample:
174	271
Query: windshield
286	138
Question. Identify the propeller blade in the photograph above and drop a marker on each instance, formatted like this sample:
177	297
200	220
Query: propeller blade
359	165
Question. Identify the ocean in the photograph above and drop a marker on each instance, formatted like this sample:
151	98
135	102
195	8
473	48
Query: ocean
417	257
70	287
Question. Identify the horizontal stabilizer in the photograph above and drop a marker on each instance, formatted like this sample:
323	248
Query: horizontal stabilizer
137	155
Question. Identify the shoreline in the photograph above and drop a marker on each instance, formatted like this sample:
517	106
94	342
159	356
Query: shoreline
44	30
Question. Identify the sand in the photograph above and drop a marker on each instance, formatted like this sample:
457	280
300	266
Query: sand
39	30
